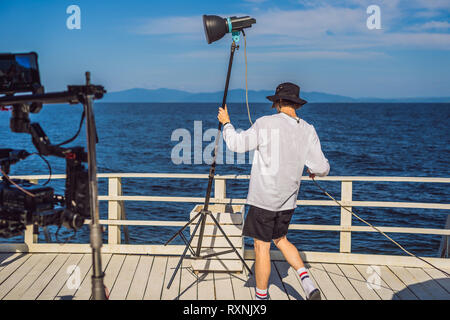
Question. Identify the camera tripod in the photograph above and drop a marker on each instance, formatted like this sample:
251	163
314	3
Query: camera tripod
205	213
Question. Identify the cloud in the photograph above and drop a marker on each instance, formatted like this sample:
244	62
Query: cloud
432	25
170	25
256	1
310	22
308	55
291	55
332	30
430	4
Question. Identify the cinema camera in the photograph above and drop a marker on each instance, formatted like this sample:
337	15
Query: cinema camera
22	203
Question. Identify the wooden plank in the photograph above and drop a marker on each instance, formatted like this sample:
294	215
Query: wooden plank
123	282
112	271
226	256
413	284
156	279
173	292
188	285
322	227
276	289
224	288
16	276
251	282
400	289
11	264
21	287
326	285
219	208
359	282
206	290
307	256
218	242
114	209
44	279
385	290
217	265
439	277
83	267
241	177
345	243
291	280
84	291
230	230
375	204
140	279
431	286
223	218
341	282
59	280
241	287
355	258
7	258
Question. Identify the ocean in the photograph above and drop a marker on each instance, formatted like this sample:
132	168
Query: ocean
406	140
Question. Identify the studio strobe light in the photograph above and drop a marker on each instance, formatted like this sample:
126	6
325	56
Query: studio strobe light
216	27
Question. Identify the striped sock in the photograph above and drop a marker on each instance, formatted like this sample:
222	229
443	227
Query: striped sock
261	294
307	283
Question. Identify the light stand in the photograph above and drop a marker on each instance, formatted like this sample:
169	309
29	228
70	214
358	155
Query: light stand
204	213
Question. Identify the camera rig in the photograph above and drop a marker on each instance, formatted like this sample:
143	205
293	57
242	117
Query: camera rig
22	203
37	205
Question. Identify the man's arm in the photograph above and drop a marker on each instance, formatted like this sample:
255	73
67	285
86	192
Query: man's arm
315	159
237	142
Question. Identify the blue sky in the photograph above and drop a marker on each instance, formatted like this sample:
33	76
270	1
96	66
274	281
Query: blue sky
321	45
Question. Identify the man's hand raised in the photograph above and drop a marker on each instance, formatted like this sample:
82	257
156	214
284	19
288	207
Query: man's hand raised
223	115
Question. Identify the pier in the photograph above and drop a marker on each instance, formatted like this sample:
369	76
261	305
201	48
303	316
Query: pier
33	270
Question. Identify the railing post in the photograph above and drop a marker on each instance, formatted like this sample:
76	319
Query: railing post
30	237
444	249
114	209
346	218
220	188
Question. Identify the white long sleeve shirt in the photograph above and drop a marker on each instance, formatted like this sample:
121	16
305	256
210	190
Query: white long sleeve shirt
282	147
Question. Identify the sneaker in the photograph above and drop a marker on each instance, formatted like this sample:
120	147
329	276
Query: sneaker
314	295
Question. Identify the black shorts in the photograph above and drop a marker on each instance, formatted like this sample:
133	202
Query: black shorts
266	225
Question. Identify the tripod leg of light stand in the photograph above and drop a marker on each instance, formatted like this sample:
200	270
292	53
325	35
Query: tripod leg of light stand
98	288
182	229
184	252
229	242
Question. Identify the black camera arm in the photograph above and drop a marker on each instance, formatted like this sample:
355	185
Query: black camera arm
74	95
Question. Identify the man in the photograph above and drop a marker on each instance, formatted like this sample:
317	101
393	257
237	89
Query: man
283	145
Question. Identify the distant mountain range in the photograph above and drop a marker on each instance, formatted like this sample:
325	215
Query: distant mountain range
238	95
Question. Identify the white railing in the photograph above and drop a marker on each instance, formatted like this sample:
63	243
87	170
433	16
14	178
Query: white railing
117	218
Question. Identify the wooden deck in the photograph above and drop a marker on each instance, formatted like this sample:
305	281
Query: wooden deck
136	277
